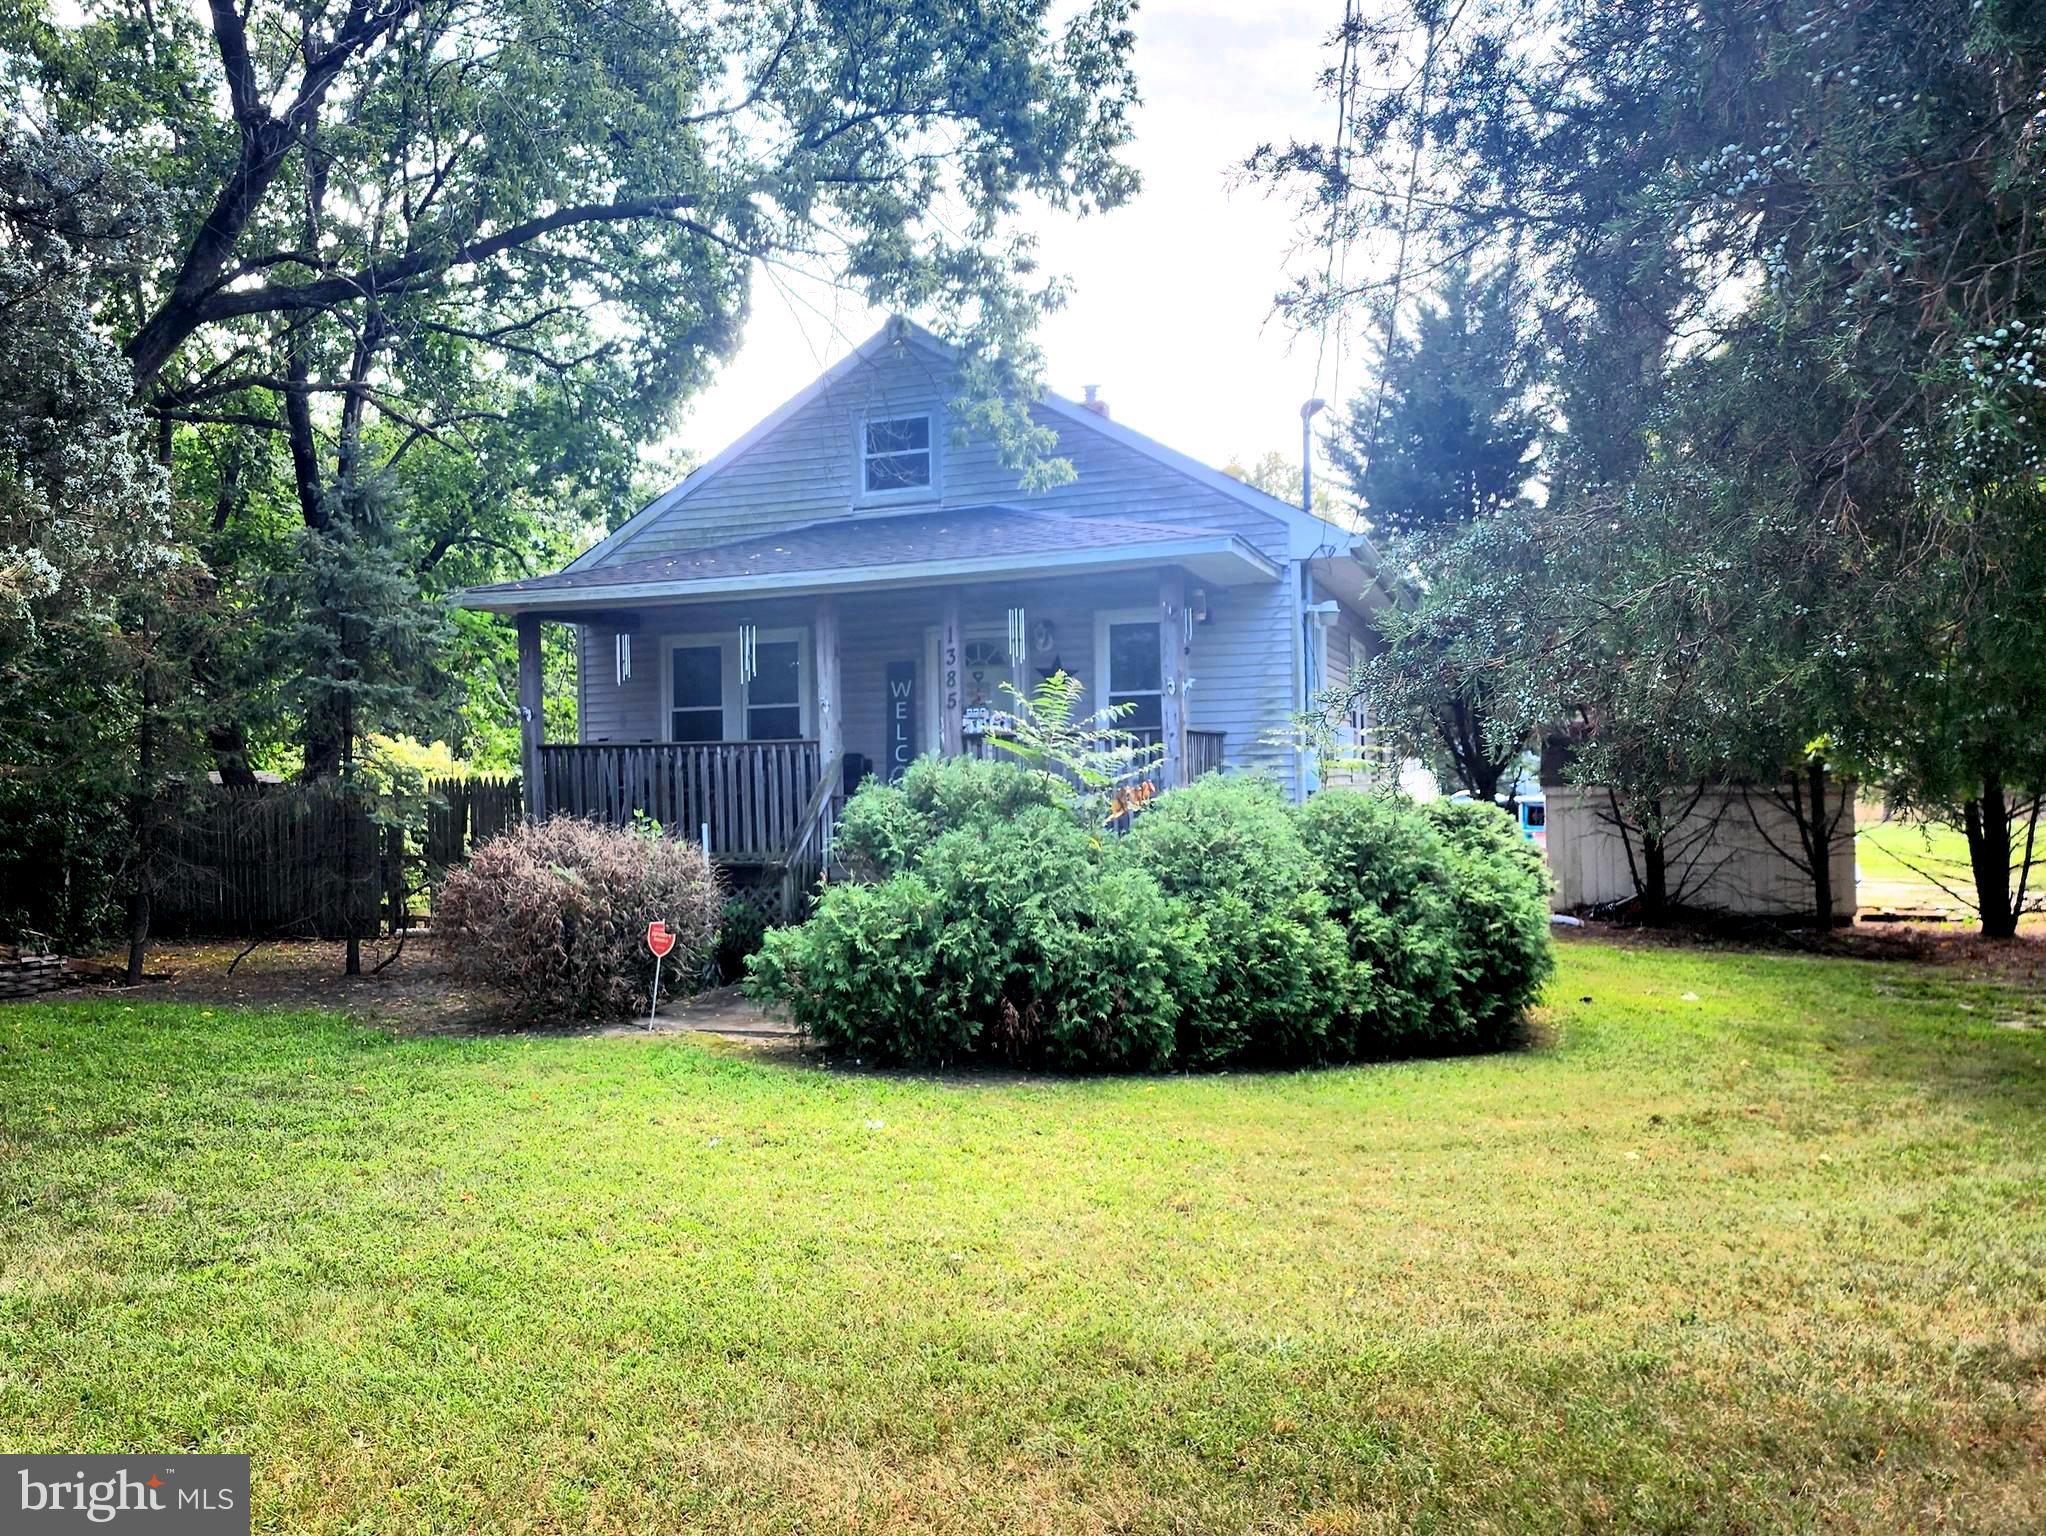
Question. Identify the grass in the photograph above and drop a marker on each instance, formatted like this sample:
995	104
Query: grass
1767	1257
1902	852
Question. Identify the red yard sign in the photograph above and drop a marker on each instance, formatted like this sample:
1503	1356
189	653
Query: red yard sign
660	938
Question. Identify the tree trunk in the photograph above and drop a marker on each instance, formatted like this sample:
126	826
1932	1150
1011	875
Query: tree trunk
230	748
142	821
1482	780
1819	844
1987	823
354	967
1654	877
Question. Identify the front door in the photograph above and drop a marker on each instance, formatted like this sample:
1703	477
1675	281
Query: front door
984	668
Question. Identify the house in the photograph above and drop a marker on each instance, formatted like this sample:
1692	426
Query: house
846	587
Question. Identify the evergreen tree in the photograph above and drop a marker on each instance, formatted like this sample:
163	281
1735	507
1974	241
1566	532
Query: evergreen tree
1441	441
1790	268
1445	432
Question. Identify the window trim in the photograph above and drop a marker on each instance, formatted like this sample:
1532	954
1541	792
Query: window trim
1106	619
736	700
933	491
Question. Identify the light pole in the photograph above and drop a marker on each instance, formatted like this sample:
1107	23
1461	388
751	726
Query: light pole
1308	412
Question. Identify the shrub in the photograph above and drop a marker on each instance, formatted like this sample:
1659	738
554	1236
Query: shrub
1387	872
888	828
1278	982
1225	928
1009	940
554	914
742	927
1063	963
1500	890
1224	832
1276	986
860	975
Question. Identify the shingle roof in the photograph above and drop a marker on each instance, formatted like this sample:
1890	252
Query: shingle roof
868	542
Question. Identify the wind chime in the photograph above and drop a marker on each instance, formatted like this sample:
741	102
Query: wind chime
749	651
1019	648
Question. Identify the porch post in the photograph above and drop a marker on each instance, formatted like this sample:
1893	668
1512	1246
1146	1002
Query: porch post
532	719
951	661
1172	648
830	707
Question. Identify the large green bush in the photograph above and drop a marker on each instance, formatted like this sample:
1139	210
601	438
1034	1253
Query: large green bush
1226	928
1278	983
1010	940
1386	871
888	828
1499	886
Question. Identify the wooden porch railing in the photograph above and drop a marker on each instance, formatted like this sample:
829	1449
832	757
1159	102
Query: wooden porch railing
1203	750
809	853
751	794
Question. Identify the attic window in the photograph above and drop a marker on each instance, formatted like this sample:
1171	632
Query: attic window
896	455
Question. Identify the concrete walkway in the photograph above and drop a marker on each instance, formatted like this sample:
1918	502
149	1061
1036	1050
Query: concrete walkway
722	1011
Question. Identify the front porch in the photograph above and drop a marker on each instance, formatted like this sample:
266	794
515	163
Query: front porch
736	693
747	725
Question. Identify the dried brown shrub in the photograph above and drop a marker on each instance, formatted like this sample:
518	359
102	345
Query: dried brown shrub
554	915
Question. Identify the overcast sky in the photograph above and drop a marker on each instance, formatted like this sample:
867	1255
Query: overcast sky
1171	310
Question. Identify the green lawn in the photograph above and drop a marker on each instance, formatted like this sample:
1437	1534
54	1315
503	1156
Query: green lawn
1907	852
1769	1258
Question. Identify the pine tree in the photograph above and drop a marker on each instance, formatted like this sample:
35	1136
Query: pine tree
1445	432
1440	442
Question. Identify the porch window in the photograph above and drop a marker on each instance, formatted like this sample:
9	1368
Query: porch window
696	703
896	455
1135	675
774	699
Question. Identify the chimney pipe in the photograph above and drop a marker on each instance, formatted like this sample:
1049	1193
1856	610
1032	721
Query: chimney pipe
1094	402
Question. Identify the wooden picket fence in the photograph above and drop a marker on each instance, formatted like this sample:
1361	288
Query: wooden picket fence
302	861
461	813
307	861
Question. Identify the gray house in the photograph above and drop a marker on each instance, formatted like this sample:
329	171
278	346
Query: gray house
844	589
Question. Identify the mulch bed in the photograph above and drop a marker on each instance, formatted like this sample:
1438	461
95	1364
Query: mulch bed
414	993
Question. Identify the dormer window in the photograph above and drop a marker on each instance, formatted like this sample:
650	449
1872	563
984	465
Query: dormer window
895	455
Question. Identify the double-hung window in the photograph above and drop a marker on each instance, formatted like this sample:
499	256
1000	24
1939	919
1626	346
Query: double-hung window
895	455
696	698
1136	674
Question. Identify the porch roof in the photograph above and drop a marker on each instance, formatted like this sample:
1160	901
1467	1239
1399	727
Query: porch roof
955	544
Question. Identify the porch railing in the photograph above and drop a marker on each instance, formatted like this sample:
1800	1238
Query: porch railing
750	794
1203	753
809	853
